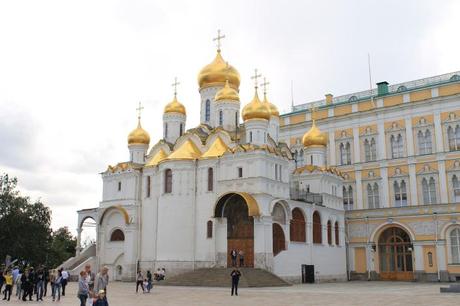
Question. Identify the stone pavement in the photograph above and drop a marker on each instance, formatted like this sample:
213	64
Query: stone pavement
349	293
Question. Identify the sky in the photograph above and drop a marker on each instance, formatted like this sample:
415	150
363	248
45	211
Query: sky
73	72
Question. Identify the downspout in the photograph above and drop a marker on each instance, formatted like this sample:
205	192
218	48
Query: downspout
435	216
347	249
194	214
157	218
367	251
139	220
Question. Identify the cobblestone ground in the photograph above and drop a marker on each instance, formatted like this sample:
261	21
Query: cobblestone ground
350	293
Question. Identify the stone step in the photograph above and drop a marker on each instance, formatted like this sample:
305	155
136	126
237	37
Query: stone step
220	277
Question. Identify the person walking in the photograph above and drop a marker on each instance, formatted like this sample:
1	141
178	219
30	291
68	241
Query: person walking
2	280
140	281
26	285
57	285
102	281
39	284
241	256
8	276
233	255
65	277
83	289
90	276
149	281
236	274
18	284
46	274
101	299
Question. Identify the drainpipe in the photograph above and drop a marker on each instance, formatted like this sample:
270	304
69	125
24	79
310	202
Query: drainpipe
194	214
347	249
139	219
157	218
435	216
367	250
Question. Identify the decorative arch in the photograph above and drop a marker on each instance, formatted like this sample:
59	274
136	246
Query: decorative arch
117	235
382	227
120	209
297	226
84	219
284	204
317	228
253	207
279	242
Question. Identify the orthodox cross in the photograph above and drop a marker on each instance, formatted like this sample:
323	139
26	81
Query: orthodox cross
264	85
139	110
313	109
255	77
218	39
175	85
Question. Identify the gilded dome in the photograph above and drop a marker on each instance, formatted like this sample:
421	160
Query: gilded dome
139	136
256	109
272	107
314	137
175	107
217	72
227	93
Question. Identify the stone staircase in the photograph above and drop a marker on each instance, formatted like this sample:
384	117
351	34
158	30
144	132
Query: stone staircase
220	277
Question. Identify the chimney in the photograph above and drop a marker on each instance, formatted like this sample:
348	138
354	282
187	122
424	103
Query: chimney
329	99
382	88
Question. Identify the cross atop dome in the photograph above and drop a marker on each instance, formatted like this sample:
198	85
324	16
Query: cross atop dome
175	86
255	77
264	85
218	39
139	110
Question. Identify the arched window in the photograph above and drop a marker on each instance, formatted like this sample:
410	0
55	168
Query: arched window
181	129
348	151
424	142
148	186
250	137
429	191
329	232
455	245
317	228
400	193
337	237
345	153
453	136
168	181
456	188
210	179
207	112
117	235
347	197
301	158
297	226
166	130
367	150
221	117
209	229
373	195
397	147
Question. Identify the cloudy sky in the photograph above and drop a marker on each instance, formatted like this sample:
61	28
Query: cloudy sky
72	72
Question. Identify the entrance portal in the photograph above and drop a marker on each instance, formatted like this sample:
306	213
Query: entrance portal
395	255
240	227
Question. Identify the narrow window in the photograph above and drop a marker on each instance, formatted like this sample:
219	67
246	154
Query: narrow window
119	186
317	228
280	173
181	129
168	181
207	113
456	188
210	179
250	137
367	150
348	150
240	172
297	226
209	229
148	186
337	238
276	172
329	232
373	150
311	159
166	130
455	245
221	118
430	259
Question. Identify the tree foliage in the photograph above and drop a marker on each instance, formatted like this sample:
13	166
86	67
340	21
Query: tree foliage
25	229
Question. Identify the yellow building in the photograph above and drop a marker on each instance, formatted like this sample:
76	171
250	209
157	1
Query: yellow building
398	147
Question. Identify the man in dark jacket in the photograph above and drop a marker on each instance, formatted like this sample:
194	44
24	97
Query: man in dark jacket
235	279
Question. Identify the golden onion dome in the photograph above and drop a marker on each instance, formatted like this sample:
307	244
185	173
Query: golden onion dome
139	136
256	109
314	137
175	107
227	93
217	72
272	107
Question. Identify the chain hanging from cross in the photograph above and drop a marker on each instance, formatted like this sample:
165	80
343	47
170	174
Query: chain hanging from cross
255	77
175	86
139	110
264	85
218	39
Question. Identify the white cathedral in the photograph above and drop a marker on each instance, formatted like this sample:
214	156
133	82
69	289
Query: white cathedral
187	201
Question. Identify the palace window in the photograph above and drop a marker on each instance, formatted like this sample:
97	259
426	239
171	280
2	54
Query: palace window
297	226
453	135
148	186
337	238
397	148
207	112
329	232
456	188
370	150
210	179
347	197
400	193
317	228
424	142
455	245
240	172
168	181
429	190
209	229
221	118
345	153
373	196
117	235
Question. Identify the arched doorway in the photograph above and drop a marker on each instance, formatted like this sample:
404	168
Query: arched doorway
395	255
238	209
279	243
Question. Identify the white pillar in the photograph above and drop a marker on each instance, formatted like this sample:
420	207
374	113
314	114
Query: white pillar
413	185
409	137
332	160
356	145
382	151
385	191
417	257
438	132
443	181
78	249
359	190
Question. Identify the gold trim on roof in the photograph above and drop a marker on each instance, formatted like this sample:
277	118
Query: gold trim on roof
217	149
253	207
312	168
188	150
157	158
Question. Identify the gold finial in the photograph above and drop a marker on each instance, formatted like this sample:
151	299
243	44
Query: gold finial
255	77
218	39
264	85
175	86
313	108
139	110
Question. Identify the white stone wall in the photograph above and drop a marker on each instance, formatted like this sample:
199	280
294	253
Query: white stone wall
173	122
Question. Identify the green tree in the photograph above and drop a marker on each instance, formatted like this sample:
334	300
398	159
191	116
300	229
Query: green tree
62	246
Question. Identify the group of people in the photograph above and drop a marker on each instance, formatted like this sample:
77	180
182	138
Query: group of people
146	282
30	282
235	254
92	288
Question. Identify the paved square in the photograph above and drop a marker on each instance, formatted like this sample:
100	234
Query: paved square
350	293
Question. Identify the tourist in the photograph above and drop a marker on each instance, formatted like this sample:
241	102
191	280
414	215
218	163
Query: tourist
65	277
26	286
32	284
101	281
139	281
101	299
163	273
235	279
18	284
149	281
241	255
39	284
8	276
83	289
2	280
46	280
233	255
157	274
57	284
15	273
90	276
